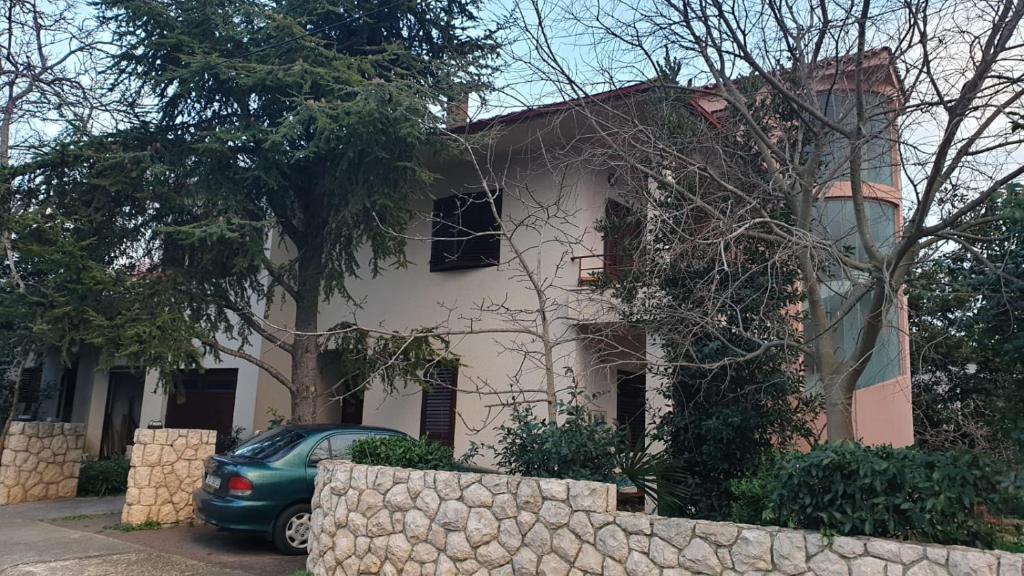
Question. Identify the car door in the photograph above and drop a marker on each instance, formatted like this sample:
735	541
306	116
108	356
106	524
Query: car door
321	451
333	446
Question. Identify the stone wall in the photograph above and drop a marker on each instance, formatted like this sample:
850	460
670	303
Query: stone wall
166	466
40	461
388	521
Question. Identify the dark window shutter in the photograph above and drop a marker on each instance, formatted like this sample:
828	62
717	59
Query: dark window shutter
31	382
621	238
459	239
437	417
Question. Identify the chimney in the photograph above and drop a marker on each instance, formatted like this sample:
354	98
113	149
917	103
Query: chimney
457	113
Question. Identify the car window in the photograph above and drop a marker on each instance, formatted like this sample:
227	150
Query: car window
322	451
341	443
271	444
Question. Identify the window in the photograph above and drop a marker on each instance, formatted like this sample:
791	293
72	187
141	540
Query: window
270	445
340	444
464	232
621	235
877	163
631	406
336	446
203	399
836	221
437	418
31	389
322	451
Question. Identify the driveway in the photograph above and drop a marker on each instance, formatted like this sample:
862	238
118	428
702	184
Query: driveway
79	538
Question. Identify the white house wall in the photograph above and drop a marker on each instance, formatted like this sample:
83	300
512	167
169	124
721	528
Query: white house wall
415	297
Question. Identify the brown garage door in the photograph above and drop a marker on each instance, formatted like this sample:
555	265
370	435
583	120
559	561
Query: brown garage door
204	400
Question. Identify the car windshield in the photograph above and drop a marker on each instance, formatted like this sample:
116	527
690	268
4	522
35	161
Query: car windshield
271	444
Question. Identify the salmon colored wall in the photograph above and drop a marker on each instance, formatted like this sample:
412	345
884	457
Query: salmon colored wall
883	413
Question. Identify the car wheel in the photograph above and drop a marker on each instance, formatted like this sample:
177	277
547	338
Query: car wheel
291	532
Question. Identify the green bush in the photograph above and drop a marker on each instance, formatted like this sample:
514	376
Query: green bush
103	477
751	494
404	452
846	488
581	447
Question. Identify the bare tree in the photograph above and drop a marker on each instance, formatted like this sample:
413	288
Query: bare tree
848	110
50	73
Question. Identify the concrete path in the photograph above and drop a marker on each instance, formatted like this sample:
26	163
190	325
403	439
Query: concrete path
29	546
63	508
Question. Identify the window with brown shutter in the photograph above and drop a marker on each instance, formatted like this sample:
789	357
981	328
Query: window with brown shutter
463	232
437	417
620	240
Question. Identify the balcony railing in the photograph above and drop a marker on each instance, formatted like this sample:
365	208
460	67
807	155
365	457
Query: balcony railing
593	267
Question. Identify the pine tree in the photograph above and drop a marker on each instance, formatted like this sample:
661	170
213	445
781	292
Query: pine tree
308	120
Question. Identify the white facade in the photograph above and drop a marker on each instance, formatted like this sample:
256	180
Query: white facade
553	211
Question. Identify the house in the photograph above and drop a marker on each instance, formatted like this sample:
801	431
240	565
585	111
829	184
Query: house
113	402
483	288
487	291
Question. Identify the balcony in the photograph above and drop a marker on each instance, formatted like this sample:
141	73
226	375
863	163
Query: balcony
592	268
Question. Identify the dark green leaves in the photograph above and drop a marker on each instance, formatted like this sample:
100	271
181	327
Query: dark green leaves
904	493
403	452
580	447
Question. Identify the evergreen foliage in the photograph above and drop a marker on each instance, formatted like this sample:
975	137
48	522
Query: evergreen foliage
967	346
404	452
846	488
311	122
733	401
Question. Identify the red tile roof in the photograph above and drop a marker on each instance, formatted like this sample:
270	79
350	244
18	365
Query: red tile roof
546	109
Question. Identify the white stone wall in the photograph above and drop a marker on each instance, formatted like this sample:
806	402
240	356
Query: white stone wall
166	467
389	521
40	461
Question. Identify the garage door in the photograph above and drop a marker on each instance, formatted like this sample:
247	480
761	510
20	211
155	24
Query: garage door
203	400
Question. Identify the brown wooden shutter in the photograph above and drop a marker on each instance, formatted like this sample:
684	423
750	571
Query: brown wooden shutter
29	388
437	417
620	241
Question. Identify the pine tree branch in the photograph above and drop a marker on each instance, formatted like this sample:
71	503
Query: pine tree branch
266	367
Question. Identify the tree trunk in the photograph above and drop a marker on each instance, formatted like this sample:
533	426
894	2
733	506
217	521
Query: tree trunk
306	347
838	405
838	396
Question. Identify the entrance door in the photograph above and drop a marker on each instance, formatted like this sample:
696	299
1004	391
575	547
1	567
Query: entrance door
124	407
631	405
203	400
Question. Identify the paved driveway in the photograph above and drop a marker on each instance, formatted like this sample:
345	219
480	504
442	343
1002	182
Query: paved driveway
77	538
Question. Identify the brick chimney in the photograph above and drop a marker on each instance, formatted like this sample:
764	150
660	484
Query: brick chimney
457	113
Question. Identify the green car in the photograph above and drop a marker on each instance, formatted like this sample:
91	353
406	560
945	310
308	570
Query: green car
266	484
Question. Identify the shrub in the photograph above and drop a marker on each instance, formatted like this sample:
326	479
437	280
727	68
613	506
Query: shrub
751	494
585	447
847	488
723	423
404	452
103	477
228	442
581	447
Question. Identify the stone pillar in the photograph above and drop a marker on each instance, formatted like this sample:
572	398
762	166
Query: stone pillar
166	467
40	461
